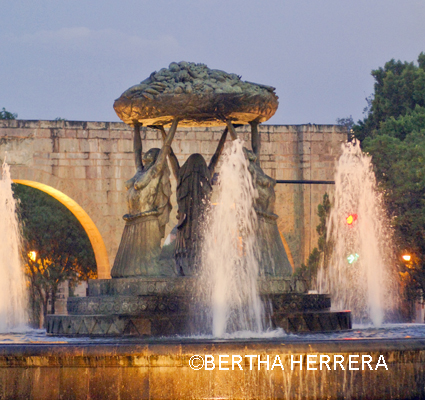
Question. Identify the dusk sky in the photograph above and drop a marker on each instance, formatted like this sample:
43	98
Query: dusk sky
72	58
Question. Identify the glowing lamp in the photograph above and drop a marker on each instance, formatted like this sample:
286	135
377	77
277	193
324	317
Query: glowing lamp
351	218
406	257
32	255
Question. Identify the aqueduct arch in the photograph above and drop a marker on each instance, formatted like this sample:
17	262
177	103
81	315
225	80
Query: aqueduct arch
96	240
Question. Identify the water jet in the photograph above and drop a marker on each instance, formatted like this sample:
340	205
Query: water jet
361	271
12	282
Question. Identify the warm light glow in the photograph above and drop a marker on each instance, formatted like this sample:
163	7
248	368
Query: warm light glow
406	257
351	218
99	248
32	255
288	251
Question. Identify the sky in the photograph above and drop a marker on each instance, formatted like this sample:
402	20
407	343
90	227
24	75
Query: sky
72	58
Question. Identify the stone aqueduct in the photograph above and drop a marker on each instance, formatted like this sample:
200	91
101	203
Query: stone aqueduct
84	166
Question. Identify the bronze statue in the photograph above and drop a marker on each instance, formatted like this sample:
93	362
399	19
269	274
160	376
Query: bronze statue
197	96
193	192
148	200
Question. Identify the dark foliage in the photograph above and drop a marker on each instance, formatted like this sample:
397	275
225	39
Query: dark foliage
62	248
393	132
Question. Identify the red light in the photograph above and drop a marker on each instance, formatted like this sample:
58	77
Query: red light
351	218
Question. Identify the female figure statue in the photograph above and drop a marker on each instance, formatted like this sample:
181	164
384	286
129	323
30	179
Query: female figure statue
148	200
193	192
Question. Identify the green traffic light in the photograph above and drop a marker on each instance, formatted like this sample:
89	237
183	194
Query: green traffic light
352	258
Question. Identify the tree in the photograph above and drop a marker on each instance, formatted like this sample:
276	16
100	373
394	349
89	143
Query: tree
347	124
394	134
399	90
4	114
55	246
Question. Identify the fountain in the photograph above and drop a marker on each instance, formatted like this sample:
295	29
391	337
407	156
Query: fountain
137	335
12	283
360	274
152	296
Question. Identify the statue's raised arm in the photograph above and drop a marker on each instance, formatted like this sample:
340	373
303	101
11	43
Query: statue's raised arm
255	140
175	166
160	161
137	147
214	159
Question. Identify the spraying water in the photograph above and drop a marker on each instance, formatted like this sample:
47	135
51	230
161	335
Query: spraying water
12	281
229	264
358	276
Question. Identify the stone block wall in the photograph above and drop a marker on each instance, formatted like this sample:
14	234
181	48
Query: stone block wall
90	161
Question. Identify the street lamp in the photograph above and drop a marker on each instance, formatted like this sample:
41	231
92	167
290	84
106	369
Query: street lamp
32	255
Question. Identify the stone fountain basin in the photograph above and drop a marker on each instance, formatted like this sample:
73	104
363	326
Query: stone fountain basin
160	369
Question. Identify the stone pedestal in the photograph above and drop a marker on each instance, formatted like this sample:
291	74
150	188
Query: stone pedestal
163	307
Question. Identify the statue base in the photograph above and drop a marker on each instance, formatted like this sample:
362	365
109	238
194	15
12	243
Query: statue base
137	307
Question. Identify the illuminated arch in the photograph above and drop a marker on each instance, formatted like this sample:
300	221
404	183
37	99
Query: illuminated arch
99	248
288	251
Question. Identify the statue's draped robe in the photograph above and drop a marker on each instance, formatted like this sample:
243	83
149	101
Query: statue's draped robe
149	211
273	260
193	190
